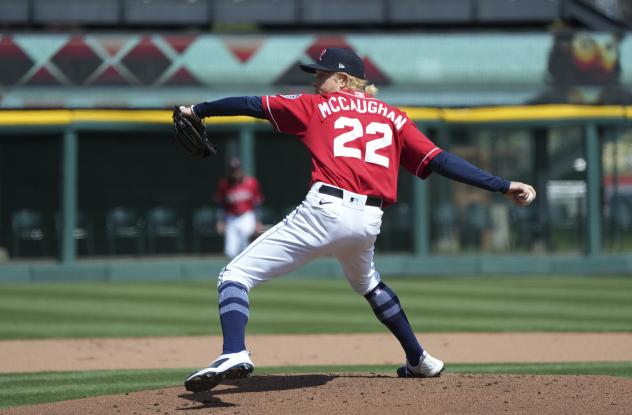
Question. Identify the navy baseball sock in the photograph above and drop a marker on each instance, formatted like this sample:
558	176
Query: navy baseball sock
233	315
389	311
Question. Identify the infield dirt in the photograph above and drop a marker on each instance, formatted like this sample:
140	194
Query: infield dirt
344	393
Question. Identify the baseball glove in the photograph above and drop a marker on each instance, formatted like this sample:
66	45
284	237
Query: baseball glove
190	132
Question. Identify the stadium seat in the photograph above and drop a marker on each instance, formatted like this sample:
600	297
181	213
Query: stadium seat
123	223
28	225
164	223
203	226
83	231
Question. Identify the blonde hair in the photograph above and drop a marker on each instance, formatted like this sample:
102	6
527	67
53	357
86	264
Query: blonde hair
359	84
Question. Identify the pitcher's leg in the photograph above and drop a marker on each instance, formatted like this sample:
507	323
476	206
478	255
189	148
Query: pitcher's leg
365	280
389	311
274	253
281	249
284	248
234	362
358	267
234	310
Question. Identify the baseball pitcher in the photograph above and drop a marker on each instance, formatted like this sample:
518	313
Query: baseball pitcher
357	144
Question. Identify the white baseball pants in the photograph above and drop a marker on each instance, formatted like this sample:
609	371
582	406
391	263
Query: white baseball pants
321	225
239	229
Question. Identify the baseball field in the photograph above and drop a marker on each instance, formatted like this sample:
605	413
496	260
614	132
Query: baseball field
511	345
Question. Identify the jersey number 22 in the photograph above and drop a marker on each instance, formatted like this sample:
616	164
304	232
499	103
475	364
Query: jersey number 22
357	131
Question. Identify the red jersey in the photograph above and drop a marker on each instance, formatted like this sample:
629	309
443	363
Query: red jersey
238	198
357	142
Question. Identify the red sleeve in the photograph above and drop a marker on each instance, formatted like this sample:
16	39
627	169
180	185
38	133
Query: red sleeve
417	151
288	113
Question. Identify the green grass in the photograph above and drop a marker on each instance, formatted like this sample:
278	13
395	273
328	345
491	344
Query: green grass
32	388
76	310
323	305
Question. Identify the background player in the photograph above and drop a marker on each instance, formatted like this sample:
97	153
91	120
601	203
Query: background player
357	144
238	197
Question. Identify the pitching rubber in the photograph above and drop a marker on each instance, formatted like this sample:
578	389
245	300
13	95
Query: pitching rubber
209	380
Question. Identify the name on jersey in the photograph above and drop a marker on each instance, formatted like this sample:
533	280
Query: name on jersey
362	106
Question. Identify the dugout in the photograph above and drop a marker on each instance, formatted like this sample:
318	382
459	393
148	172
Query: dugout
78	166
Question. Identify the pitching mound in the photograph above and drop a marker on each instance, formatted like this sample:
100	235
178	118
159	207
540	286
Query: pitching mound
369	393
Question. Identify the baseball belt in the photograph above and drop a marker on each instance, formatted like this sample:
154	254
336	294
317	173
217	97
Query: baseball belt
334	191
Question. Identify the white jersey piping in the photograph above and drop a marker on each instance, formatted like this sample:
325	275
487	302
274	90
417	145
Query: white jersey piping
424	159
270	112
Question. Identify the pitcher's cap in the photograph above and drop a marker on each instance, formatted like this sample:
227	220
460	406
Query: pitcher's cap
338	60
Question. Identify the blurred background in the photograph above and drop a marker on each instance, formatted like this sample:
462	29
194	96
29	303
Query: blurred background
93	186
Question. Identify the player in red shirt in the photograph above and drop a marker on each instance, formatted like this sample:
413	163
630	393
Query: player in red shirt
357	144
238	196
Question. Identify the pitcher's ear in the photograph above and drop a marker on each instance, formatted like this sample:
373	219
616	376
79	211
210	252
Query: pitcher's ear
343	78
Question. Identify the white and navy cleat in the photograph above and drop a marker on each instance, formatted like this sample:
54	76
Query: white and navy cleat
226	366
428	367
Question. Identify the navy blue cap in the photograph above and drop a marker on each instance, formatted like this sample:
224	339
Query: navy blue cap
338	60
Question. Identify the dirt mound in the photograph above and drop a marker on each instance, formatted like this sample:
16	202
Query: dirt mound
369	393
